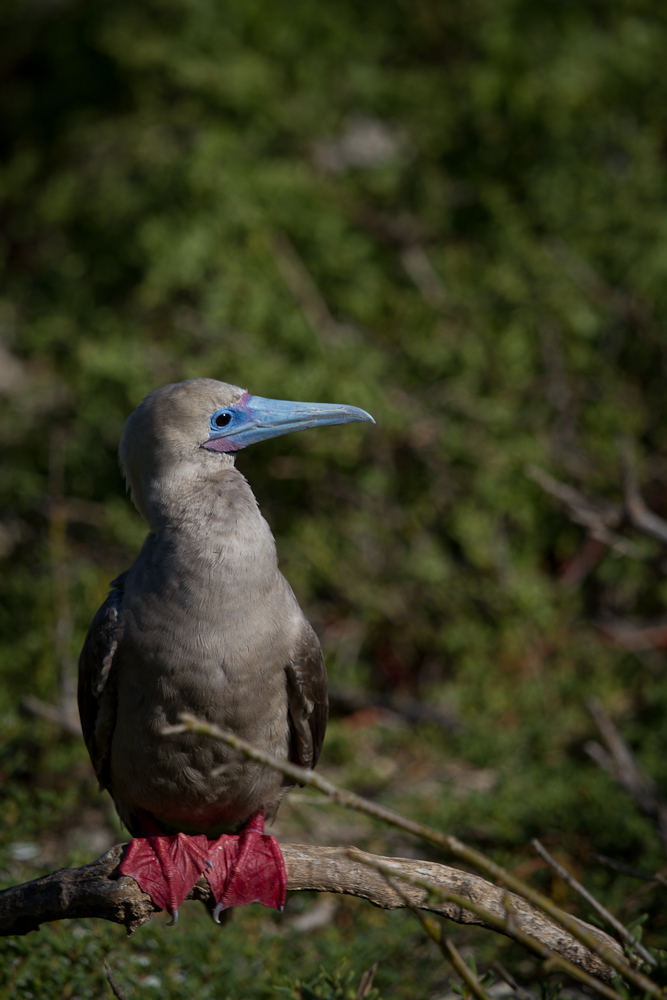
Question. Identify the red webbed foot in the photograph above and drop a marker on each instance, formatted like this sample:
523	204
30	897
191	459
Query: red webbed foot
166	867
247	868
241	869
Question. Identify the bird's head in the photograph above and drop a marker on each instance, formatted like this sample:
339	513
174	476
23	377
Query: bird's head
177	431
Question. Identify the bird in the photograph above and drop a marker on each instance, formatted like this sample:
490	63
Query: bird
202	622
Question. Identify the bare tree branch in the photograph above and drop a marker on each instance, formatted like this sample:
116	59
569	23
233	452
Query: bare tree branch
507	923
305	776
99	890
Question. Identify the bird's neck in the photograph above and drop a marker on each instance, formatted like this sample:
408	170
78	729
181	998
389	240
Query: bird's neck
216	524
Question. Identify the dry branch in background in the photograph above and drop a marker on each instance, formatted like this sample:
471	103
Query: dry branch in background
635	638
604	519
628	869
601	518
410	709
618	761
61	715
98	890
601	910
604	522
638	514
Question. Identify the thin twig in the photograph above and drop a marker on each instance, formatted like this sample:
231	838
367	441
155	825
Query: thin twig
351	700
638	513
419	268
58	714
621	764
59	569
115	988
508	924
600	517
627	870
601	910
463	969
306	293
431	926
523	994
306	776
434	931
576	569
635	638
619	302
65	714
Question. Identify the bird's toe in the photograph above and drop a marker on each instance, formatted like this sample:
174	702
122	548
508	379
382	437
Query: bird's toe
248	868
166	868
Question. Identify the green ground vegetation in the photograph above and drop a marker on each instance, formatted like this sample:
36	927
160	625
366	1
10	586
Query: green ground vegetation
451	214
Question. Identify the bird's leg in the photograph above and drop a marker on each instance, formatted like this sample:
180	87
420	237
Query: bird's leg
165	867
247	868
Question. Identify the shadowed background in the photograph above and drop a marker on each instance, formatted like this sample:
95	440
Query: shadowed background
450	214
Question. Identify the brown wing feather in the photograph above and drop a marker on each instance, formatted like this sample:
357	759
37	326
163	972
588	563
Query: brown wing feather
97	689
308	701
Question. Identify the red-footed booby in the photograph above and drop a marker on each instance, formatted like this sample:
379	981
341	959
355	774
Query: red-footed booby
202	622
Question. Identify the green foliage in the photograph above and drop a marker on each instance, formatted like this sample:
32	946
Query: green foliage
172	206
338	985
548	992
463	990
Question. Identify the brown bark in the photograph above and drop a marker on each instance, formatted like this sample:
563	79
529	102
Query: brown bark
98	890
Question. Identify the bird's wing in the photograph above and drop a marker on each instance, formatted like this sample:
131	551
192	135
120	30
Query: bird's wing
97	687
308	701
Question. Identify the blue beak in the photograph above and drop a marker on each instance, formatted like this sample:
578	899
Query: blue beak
254	419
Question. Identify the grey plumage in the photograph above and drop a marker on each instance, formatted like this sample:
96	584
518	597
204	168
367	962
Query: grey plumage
204	622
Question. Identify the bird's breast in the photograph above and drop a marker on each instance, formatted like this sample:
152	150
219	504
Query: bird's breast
212	646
